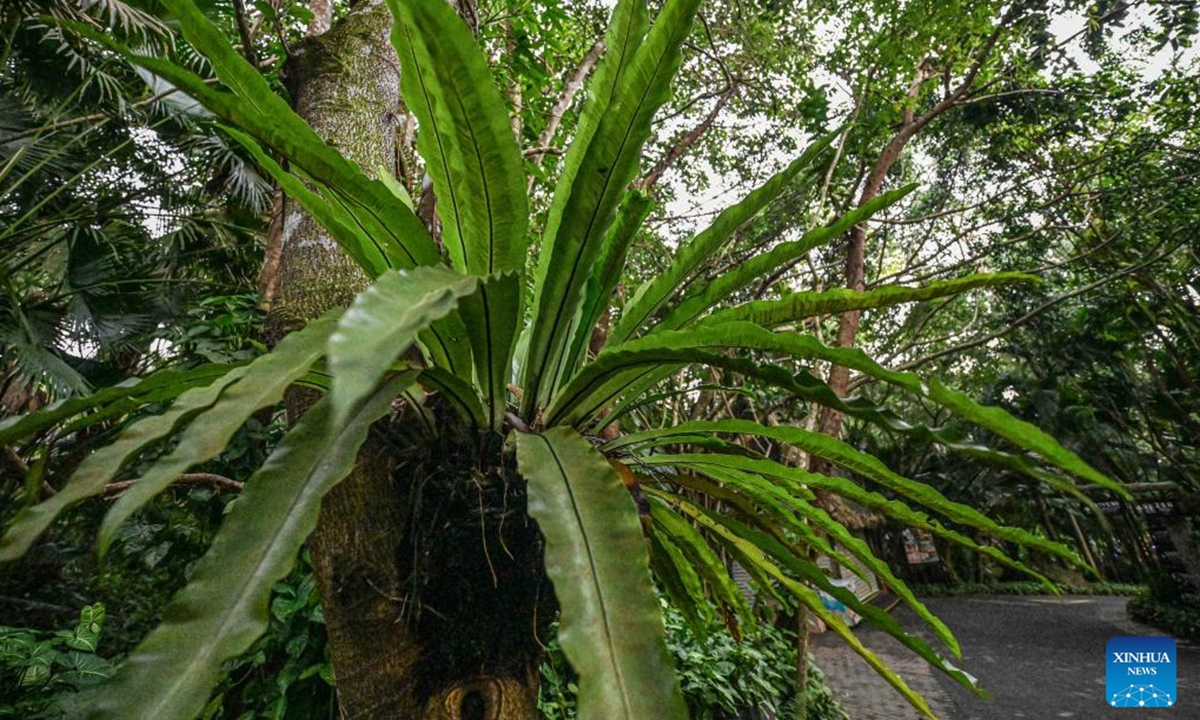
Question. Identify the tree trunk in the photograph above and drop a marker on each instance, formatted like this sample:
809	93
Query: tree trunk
430	577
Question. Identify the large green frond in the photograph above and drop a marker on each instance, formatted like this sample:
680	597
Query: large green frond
752	557
383	322
112	401
610	625
692	255
598	173
704	295
801	305
614	369
224	607
464	136
262	384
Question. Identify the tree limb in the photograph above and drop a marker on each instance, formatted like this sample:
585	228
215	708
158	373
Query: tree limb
565	98
218	482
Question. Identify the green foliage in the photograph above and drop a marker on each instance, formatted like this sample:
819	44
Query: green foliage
705	498
1023	588
609	625
223	329
1178	620
39	669
92	271
719	677
224	607
286	674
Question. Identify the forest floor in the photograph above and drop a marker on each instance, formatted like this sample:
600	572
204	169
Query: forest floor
1040	657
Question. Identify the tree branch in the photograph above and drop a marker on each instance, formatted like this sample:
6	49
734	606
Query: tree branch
565	98
218	482
687	141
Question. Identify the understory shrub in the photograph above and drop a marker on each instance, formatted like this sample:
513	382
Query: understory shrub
38	669
721	678
1028	587
1178	620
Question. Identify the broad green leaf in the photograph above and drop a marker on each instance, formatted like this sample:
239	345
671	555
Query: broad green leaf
740	487
97	469
610	626
370	255
465	137
231	67
224	607
615	368
706	563
583	208
801	305
681	583
849	490
764	501
812	574
606	274
121	398
692	256
444	340
383	322
780	550
492	316
460	394
705	295
750	555
254	109
388	178
871	468
262	385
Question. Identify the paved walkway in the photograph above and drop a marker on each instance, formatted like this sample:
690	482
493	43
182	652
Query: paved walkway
1041	658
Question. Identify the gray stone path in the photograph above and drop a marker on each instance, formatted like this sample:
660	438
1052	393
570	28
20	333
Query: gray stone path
1041	658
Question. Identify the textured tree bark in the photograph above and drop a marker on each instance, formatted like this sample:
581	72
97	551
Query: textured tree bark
393	648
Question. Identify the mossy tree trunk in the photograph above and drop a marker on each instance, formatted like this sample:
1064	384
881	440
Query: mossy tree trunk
429	572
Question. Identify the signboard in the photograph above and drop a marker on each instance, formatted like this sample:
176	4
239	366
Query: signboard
919	548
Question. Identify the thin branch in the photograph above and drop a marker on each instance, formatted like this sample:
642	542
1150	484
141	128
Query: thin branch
239	11
687	141
218	482
565	98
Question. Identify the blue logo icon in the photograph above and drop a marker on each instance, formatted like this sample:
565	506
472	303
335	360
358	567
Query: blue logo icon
1140	672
